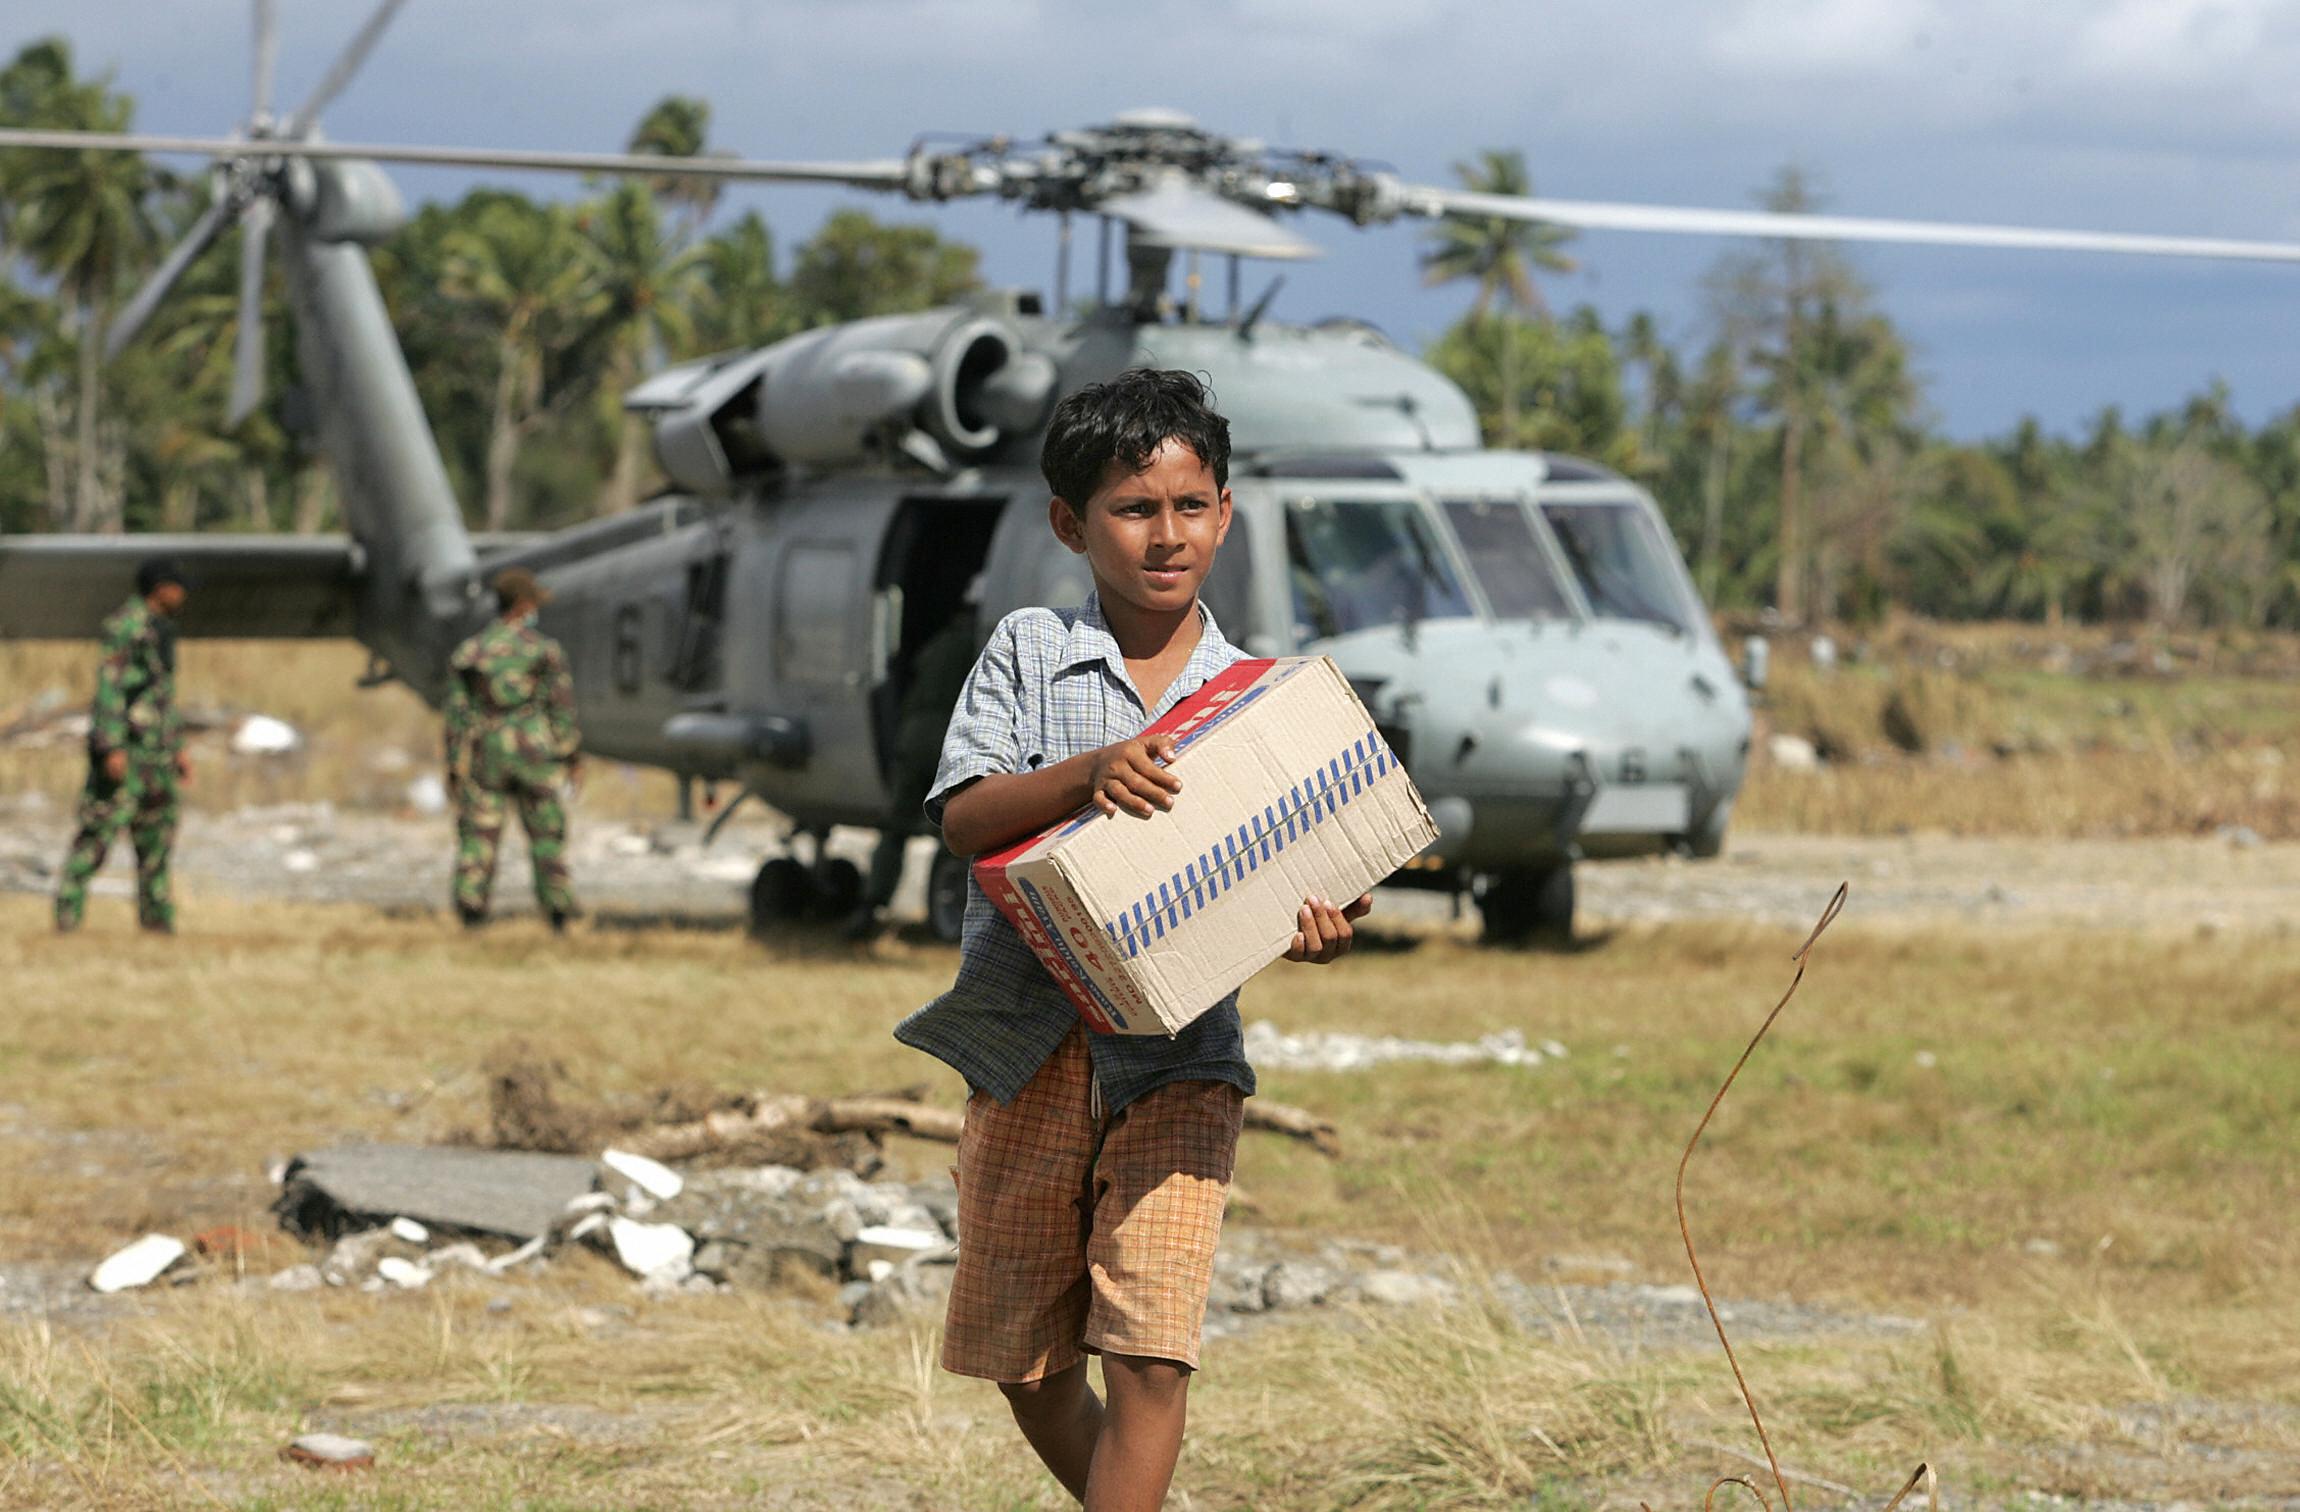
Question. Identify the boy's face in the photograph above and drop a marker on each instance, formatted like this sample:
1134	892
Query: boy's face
1149	537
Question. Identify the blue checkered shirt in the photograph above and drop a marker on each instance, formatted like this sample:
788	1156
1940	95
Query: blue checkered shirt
1052	684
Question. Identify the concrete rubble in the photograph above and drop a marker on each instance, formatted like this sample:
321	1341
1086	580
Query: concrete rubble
887	1251
511	1194
1272	1049
139	1264
329	1451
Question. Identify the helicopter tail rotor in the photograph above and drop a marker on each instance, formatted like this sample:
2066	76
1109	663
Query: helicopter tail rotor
138	311
247	184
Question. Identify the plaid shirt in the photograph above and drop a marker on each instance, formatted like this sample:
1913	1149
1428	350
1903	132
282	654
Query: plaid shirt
1052	684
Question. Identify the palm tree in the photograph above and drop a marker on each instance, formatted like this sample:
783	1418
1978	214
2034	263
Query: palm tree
744	304
80	218
521	269
1499	256
679	126
644	287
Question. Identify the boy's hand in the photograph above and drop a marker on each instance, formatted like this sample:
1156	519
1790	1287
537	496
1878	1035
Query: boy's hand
1326	935
1129	776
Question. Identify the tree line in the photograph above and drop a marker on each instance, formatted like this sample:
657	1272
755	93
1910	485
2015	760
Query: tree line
1789	444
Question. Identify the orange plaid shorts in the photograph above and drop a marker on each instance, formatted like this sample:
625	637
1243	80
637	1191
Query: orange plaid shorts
1078	1234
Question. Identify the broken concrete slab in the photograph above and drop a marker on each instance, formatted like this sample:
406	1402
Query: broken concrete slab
330	1451
297	1278
139	1264
891	1245
405	1274
661	1252
511	1193
653	1177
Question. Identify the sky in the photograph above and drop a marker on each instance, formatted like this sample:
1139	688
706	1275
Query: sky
2168	116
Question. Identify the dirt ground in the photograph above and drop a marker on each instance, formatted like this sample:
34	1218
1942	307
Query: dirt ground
629	871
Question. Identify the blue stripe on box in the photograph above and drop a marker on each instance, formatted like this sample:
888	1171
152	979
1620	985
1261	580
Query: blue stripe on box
1319	795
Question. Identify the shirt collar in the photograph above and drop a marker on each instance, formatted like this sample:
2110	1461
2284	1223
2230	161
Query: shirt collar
1090	643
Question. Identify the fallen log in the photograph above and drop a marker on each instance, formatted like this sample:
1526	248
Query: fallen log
780	1115
1295	1123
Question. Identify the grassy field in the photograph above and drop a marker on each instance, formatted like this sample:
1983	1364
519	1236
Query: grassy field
2070	1152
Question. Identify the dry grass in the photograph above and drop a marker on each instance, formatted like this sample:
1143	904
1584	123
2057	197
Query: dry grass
1976	730
1929	1110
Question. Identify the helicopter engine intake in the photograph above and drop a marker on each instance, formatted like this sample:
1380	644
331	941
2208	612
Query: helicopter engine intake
942	387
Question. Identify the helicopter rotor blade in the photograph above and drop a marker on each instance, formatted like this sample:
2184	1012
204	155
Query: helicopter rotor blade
1173	212
1595	215
248	335
346	64
880	173
267	56
137	311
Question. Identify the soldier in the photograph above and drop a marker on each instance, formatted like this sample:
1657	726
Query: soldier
511	740
136	761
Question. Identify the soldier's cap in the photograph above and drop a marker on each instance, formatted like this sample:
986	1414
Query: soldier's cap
153	571
516	585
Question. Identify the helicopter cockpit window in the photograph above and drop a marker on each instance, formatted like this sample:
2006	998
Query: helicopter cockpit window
1357	564
1621	562
1506	560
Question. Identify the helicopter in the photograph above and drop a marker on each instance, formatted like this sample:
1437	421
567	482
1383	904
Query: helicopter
1520	624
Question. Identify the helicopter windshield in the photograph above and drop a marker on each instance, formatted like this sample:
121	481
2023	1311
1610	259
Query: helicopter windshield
1506	560
1621	562
1358	564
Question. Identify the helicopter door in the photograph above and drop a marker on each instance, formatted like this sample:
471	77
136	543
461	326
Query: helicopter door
923	625
695	664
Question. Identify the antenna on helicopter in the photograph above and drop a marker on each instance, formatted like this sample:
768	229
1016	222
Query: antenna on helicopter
1259	308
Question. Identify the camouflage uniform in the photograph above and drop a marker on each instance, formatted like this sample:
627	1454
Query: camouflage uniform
134	712
511	739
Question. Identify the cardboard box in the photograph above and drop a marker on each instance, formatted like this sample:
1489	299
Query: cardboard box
1288	791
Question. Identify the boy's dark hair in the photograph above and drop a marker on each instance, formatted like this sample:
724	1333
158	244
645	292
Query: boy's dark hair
1125	421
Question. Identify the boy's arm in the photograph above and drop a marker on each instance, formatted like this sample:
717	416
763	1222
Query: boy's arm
998	809
994	785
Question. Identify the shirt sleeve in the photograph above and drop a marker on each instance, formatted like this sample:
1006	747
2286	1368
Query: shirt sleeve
559	702
985	736
108	714
455	714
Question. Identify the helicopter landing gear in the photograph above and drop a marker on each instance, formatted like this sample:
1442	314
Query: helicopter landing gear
946	896
1531	907
778	893
787	891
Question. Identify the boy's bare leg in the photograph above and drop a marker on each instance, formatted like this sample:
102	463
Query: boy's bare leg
1062	1418
1141	1436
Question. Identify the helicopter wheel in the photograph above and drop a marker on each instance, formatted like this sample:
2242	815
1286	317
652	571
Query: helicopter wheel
1708	841
1529	907
835	889
779	893
946	896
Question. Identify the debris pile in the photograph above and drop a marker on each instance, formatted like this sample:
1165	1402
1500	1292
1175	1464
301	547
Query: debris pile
386	1217
886	1244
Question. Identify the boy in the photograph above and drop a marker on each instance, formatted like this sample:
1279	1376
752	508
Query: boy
1092	1170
